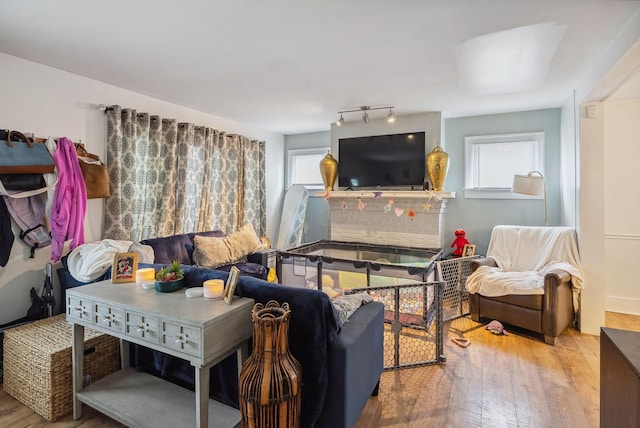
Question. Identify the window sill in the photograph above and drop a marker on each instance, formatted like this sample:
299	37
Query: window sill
496	194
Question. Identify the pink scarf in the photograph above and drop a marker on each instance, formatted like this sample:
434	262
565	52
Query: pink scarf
70	201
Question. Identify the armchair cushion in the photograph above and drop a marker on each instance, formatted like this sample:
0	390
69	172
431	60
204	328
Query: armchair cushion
524	255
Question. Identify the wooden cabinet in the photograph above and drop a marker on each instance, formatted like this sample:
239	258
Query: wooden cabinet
619	378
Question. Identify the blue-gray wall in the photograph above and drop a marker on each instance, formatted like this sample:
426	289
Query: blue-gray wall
478	216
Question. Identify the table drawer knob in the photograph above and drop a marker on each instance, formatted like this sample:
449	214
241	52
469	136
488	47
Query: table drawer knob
182	339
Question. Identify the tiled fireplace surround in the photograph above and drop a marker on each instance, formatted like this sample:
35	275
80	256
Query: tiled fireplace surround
374	224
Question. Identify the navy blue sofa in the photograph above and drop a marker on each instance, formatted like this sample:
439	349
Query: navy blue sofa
341	364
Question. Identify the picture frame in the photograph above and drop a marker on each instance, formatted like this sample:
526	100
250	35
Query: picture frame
125	266
469	250
230	286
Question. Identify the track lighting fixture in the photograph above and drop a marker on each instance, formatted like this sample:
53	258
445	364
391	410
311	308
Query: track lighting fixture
365	113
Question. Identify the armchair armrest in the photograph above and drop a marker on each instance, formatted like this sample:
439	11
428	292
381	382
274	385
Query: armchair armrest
557	311
482	261
557	277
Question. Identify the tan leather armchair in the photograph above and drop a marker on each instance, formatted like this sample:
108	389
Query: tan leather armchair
549	313
532	279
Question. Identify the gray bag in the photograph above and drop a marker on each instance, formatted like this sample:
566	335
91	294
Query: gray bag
28	213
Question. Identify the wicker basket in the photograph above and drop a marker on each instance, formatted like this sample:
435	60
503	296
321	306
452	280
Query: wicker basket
37	364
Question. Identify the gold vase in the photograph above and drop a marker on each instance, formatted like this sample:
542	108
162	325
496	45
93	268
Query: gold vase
265	241
270	383
437	167
329	171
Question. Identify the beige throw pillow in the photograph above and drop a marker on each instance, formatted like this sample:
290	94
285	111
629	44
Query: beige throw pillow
213	252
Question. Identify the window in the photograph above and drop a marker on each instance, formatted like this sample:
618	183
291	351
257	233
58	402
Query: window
491	161
304	167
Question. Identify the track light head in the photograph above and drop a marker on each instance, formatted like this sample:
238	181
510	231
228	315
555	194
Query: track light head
391	116
365	117
340	121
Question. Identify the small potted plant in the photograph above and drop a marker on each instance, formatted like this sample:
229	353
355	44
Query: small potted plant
169	278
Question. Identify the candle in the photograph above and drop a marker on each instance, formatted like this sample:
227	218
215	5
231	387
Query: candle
213	289
146	277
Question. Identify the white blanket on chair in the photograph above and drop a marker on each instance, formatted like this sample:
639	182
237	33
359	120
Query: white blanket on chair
524	255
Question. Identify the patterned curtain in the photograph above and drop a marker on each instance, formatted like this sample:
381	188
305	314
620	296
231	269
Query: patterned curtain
169	178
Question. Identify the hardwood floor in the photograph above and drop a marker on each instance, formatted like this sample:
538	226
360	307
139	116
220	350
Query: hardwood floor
498	381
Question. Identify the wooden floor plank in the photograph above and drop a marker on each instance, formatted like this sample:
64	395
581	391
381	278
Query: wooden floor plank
534	410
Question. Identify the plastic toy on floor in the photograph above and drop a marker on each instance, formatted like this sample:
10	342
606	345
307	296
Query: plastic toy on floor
462	342
496	327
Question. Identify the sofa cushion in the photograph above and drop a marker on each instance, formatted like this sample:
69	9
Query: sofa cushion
215	252
172	248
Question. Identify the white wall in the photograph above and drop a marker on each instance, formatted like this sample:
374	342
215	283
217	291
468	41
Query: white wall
591	220
51	102
621	206
610	231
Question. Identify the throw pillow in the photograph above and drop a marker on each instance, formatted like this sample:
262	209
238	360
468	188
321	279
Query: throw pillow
214	252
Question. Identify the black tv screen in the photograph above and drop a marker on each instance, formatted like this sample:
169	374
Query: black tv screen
382	160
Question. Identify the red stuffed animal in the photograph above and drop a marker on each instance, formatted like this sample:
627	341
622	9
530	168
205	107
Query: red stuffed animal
459	242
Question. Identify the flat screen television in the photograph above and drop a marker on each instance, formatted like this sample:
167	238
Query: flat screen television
382	161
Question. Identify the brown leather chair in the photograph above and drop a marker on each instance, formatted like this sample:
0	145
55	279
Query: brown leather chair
531	249
549	313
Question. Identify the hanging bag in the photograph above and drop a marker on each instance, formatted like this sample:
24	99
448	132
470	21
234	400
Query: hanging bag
22	182
28	214
95	173
20	155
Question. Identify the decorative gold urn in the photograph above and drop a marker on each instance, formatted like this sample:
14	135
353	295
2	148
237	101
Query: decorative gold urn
437	167
329	171
265	241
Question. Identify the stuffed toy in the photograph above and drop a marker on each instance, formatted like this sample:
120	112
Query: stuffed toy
496	327
459	242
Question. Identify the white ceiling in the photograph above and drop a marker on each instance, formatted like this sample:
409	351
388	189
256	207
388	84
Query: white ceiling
289	65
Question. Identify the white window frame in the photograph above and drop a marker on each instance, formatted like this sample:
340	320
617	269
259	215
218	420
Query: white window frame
474	192
291	153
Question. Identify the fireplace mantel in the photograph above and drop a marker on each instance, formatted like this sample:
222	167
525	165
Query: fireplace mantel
388	217
419	194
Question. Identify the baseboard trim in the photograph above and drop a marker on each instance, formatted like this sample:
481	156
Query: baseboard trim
626	237
624	305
